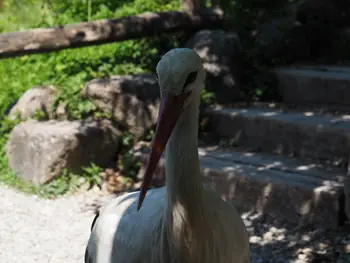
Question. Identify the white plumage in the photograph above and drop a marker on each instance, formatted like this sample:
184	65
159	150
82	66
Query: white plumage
182	222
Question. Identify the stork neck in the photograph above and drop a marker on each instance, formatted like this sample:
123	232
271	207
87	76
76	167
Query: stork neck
182	162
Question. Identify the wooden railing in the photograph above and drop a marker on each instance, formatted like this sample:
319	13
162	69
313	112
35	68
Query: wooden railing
104	31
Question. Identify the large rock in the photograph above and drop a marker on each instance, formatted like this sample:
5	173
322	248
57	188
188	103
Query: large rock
318	13
221	55
323	13
286	41
272	37
306	31
39	151
132	100
37	98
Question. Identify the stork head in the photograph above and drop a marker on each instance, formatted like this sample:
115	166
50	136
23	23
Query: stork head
180	72
181	77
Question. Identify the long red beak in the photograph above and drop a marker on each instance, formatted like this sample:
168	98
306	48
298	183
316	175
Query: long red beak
169	112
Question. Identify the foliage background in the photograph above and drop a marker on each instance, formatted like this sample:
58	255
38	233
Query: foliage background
69	70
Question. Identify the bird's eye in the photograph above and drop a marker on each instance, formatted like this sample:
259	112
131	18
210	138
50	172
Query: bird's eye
190	79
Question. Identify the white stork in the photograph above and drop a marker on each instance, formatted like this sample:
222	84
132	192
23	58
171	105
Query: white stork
182	222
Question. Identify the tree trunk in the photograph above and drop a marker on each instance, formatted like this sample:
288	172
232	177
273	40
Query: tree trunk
192	5
43	40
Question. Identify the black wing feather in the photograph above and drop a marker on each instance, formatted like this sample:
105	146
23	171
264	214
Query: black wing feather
86	258
94	221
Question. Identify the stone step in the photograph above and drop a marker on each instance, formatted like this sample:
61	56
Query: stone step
307	135
314	85
299	192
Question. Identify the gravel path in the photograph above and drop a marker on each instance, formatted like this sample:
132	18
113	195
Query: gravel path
33	230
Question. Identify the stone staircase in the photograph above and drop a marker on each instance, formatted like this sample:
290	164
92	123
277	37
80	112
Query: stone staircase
287	163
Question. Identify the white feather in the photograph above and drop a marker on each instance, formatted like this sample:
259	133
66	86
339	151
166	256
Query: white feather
121	234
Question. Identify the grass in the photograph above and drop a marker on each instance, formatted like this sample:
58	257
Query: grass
69	70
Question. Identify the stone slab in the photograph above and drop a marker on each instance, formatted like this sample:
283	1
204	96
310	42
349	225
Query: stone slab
307	135
285	191
314	85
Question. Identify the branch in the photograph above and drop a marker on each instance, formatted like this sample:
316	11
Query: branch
104	31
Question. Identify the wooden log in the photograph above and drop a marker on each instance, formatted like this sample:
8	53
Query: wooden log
104	31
